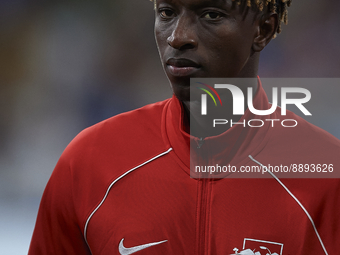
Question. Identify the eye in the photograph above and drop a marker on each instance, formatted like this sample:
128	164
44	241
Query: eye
212	15
166	13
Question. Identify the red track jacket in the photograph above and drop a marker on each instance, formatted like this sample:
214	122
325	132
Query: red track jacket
123	186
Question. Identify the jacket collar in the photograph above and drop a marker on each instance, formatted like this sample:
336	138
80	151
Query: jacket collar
229	148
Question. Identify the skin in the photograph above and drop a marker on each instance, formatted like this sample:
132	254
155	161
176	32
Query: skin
209	38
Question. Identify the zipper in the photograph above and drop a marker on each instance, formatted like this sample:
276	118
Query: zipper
200	143
202	231
203	189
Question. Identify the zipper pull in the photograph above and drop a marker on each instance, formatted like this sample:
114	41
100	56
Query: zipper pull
200	142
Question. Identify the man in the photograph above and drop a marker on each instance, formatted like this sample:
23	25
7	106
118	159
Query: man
122	188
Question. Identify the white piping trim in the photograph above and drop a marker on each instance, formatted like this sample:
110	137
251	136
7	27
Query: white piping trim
291	194
108	189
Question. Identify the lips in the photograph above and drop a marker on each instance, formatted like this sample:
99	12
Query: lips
182	67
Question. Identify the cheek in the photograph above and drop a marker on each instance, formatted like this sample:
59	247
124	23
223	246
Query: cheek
157	37
236	47
226	57
225	49
161	36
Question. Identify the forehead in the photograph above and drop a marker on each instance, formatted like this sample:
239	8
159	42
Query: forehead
198	3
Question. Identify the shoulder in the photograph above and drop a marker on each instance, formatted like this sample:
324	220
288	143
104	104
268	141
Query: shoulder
305	136
304	143
104	152
139	120
131	130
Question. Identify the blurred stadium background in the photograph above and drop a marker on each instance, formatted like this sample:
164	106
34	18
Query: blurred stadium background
66	65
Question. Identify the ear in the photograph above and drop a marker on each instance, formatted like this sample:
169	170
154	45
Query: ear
267	26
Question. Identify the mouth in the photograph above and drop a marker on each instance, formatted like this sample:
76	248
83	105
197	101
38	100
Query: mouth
181	67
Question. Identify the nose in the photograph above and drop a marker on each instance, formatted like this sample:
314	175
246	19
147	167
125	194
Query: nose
183	35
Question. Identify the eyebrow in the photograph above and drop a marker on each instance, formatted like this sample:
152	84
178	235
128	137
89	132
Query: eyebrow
223	4
227	3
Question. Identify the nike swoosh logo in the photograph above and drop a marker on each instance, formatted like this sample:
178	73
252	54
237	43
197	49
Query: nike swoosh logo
126	251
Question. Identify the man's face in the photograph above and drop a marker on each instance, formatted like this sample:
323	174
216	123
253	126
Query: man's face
203	38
